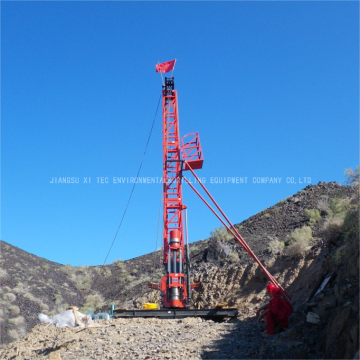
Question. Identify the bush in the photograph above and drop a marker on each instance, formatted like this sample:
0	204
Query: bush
14	310
351	221
333	227
339	207
68	269
234	257
9	297
299	241
119	263
221	234
17	321
276	247
3	273
83	282
313	215
323	205
94	301
106	272
193	249
134	271
45	267
353	176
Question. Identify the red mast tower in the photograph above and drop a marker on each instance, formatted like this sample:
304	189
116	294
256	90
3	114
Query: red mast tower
175	286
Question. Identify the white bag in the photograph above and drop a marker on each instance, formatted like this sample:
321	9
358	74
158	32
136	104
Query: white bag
67	319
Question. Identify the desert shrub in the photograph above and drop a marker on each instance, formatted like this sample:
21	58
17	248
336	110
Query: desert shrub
221	234
106	272
134	271
353	176
234	257
122	278
68	269
333	227
9	297
267	215
276	246
93	302
119	263
299	240
3	273
313	215
193	249
351	221
83	282
14	310
1	312
31	297
16	321
45	267
338	207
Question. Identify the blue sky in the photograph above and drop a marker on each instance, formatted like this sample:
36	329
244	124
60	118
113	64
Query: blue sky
271	87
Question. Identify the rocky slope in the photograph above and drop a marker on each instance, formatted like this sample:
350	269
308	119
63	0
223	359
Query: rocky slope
226	272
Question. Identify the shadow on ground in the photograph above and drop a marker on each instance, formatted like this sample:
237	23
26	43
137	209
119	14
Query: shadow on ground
239	340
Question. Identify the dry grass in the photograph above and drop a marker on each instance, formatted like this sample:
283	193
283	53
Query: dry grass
17	321
299	241
333	227
276	247
14	310
9	297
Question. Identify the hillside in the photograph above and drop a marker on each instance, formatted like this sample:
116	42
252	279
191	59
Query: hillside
300	240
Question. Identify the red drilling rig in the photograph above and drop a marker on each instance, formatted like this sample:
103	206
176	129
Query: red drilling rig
175	286
178	156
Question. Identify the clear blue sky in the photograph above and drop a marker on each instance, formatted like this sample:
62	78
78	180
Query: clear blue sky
271	87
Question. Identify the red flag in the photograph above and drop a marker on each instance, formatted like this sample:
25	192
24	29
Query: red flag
165	67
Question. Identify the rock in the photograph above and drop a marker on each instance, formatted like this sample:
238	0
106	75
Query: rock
312	318
54	356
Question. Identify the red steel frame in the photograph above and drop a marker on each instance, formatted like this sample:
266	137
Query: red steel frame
173	285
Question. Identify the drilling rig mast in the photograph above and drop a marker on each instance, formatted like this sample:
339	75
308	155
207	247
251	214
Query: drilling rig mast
173	285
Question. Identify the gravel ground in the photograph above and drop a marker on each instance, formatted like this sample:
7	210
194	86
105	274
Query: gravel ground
191	338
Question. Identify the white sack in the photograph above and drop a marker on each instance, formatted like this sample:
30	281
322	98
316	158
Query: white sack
67	319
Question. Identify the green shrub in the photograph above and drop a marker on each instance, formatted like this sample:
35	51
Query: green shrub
351	221
3	273
16	321
193	249
234	257
339	207
9	297
45	267
134	271
83	282
276	247
119	263
14	310
94	301
221	234
299	240
68	269
106	272
313	215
